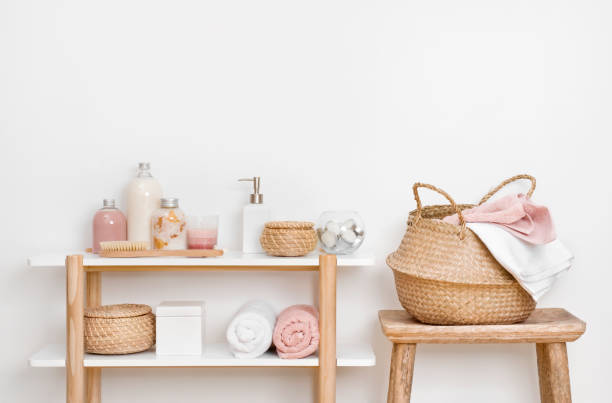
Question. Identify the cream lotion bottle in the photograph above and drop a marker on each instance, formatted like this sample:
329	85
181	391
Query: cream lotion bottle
254	216
143	198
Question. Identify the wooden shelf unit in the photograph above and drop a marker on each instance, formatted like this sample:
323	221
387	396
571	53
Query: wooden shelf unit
84	288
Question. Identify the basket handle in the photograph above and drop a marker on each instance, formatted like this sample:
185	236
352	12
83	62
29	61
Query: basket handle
415	190
507	181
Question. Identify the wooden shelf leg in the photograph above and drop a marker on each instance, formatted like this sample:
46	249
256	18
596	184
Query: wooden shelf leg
75	371
554	373
94	391
400	374
94	375
327	325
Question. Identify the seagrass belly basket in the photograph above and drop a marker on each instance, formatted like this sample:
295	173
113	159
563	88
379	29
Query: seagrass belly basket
445	275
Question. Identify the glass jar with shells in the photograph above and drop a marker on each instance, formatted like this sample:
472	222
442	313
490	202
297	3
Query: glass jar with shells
340	232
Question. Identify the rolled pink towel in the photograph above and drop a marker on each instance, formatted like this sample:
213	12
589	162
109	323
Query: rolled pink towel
296	334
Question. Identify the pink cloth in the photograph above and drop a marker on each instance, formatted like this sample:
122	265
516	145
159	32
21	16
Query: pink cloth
516	214
296	334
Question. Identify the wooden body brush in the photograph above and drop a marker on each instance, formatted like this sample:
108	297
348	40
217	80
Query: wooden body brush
139	249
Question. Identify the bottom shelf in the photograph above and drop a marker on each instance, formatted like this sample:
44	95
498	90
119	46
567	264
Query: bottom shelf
215	355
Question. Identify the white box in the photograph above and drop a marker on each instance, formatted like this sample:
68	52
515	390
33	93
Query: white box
179	327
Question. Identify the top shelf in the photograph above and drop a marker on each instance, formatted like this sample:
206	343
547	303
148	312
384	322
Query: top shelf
229	259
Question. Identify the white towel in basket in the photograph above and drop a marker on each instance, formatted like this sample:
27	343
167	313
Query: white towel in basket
535	267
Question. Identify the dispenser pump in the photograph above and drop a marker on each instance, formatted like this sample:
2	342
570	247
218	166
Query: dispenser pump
256	197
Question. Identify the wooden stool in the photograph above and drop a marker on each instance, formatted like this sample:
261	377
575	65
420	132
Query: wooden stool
549	328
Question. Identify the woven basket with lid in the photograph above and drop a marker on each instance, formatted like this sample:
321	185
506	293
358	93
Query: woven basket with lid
288	238
119	329
445	275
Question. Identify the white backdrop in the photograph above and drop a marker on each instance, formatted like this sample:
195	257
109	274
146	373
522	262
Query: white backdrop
335	104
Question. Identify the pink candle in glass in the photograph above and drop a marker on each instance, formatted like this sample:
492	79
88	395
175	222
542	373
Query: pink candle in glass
202	232
201	238
109	224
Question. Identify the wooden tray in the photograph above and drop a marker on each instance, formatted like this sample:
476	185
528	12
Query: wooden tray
159	253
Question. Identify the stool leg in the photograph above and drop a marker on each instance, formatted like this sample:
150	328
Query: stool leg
554	373
400	374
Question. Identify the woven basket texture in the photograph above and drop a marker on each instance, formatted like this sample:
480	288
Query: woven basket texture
288	238
445	275
119	329
289	225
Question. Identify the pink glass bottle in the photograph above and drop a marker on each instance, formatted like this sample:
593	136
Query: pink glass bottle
109	224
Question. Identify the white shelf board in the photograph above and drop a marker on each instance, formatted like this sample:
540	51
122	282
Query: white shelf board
215	355
230	258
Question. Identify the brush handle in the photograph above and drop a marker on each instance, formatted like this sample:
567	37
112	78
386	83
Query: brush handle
159	253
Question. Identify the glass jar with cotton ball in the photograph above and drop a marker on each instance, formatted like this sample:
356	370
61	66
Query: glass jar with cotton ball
340	232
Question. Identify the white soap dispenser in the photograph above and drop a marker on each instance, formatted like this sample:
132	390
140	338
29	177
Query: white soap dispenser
254	216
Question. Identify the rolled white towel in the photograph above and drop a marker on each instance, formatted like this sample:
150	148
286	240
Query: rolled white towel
249	333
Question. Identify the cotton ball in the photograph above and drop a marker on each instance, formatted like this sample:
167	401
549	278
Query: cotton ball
358	230
329	239
333	227
349	236
349	224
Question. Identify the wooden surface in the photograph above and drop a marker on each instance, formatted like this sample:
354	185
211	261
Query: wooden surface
93	285
400	373
94	289
178	269
327	324
75	370
553	373
549	328
166	253
229	259
94	386
547	325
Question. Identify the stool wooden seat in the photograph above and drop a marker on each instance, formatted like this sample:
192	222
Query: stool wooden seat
548	328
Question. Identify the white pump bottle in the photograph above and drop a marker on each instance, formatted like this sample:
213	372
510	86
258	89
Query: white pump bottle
254	216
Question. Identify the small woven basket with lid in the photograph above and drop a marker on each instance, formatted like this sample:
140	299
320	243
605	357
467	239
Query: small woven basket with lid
288	238
445	275
119	329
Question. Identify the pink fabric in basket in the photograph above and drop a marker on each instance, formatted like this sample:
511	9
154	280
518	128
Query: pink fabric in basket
516	214
296	334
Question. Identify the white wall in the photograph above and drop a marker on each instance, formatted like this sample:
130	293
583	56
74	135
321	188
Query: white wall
336	104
